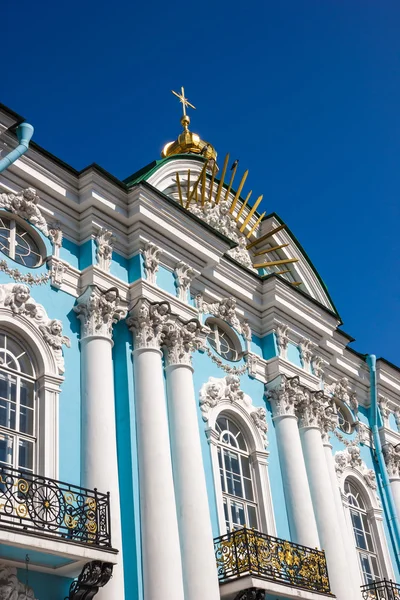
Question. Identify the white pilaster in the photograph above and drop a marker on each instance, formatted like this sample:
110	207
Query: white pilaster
161	556
98	311
198	558
309	408
392	459
299	507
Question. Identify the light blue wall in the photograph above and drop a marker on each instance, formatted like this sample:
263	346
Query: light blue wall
127	461
87	253
166	280
119	267
269	346
392	422
70	253
46	587
293	354
135	268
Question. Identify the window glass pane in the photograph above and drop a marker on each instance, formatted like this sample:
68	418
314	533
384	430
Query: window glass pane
252	521
231	461
26	420
237	512
27	396
248	489
375	569
6	449
226	513
245	466
25	460
7	414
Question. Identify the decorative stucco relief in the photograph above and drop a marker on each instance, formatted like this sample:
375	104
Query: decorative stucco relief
306	347
57	271
56	237
183	278
317	365
151	261
104	248
350	458
282	339
180	339
17	299
147	323
341	390
227	389
24	278
225	310
391	455
11	588
25	205
98	311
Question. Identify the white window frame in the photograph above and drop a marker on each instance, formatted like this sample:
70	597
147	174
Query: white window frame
214	324
375	518
48	382
14	221
258	463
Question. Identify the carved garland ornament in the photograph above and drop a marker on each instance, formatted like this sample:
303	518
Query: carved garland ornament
228	389
17	298
11	588
21	278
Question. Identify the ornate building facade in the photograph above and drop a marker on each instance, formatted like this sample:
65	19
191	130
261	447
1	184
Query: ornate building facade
181	414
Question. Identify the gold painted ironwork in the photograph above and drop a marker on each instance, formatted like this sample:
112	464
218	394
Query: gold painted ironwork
267	250
248	552
256	224
295	283
228	190
266	236
184	101
243	206
251	213
282	272
178	181
221	181
238	192
273	263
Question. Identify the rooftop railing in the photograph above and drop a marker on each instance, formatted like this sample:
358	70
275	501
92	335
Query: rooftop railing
46	507
248	552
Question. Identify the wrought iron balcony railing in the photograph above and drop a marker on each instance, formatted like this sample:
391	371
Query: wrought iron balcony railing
381	590
45	507
249	552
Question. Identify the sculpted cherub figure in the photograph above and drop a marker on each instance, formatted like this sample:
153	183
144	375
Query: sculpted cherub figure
19	300
52	333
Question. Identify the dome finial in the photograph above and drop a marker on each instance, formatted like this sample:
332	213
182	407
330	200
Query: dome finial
188	142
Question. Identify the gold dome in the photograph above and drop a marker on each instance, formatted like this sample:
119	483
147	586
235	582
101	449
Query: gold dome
188	142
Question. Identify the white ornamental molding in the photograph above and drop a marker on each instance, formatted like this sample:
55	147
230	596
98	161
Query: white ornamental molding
11	588
225	310
340	390
184	275
317	365
98	311
384	408
282	339
306	347
219	217
57	271
227	390
25	205
56	237
151	261
104	248
147	322
24	277
180	339
350	459
391	455
17	299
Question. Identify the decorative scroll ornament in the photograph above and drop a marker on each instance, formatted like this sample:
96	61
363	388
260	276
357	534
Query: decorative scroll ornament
306	347
391	455
182	339
94	575
317	365
282	339
350	458
98	311
17	298
151	260
314	409
225	310
251	594
24	278
11	588
183	278
384	408
340	390
104	242
57	271
227	389
147	321
25	205
56	237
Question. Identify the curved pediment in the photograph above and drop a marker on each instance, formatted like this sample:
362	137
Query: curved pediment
264	244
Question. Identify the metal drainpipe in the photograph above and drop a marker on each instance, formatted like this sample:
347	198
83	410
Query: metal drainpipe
393	519
24	134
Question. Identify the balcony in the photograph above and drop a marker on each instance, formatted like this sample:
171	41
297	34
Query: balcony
59	525
52	508
381	590
268	563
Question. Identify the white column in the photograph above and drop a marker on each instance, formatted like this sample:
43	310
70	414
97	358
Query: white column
347	536
99	464
392	459
161	556
303	529
309	408
197	546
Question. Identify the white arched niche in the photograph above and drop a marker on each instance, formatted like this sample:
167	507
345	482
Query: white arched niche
27	321
223	396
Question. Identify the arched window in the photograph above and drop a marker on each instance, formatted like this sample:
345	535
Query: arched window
17	405
238	490
363	533
223	340
344	423
18	244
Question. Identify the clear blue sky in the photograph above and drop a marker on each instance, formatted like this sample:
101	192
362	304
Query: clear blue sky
306	93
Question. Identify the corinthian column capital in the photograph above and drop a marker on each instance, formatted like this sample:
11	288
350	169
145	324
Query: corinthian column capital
147	322
181	339
98	311
285	397
391	455
316	410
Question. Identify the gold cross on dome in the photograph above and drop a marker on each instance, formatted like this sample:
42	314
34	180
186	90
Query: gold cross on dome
184	101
